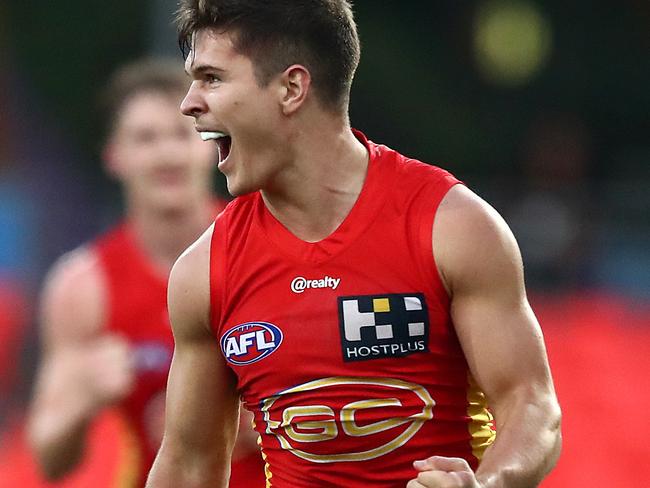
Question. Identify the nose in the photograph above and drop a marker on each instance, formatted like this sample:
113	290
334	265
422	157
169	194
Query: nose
193	104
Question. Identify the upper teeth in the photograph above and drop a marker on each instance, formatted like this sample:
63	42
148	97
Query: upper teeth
206	136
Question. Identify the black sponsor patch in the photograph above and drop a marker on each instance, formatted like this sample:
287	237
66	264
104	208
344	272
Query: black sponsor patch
383	326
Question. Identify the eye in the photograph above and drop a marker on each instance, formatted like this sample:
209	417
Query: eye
212	78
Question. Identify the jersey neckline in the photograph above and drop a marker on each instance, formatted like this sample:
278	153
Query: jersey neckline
140	257
363	212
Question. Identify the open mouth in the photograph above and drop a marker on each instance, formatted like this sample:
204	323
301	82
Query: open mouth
222	140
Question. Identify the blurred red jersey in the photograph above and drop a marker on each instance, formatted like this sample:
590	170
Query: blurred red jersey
137	310
102	465
344	348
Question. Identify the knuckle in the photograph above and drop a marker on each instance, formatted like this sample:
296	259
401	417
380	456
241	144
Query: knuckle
429	477
466	477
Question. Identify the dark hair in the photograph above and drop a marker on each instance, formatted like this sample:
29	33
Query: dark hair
318	34
159	75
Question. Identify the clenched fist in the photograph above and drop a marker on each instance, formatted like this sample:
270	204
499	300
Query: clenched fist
105	369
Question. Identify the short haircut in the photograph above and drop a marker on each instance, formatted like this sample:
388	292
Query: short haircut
149	75
320	35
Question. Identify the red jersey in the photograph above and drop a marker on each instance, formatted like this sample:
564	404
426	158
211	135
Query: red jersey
344	349
105	463
137	310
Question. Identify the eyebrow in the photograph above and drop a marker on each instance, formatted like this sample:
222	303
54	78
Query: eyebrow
203	68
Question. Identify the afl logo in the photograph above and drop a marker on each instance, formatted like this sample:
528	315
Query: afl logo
250	342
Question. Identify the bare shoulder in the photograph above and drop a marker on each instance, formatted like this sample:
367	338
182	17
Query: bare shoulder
73	300
189	290
472	243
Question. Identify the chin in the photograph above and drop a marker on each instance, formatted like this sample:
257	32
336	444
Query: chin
171	201
239	188
236	192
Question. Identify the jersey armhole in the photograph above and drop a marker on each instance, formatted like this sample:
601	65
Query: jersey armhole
432	197
218	271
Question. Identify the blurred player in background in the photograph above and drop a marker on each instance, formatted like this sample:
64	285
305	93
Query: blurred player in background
367	338
105	330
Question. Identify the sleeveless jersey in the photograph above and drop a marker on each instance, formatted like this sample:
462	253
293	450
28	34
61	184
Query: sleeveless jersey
137	310
344	349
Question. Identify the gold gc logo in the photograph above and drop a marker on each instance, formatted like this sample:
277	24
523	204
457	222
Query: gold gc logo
307	417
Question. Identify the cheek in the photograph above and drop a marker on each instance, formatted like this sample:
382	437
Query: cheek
140	164
133	162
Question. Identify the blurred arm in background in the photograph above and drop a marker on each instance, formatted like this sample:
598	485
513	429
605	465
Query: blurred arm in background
83	368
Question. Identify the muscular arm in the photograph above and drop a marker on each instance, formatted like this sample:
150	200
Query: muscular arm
481	267
202	403
82	368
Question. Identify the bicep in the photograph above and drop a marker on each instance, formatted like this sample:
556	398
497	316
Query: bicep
72	304
71	312
202	400
202	403
502	342
498	331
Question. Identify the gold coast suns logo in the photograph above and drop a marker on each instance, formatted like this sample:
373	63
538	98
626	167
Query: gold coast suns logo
343	419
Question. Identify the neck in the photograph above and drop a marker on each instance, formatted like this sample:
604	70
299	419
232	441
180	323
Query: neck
163	234
321	182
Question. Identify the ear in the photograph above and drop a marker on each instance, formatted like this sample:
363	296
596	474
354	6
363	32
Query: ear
296	83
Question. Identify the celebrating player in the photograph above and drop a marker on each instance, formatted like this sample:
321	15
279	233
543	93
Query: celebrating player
367	307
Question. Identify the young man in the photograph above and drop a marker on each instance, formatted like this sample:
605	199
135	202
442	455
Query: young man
106	335
366	306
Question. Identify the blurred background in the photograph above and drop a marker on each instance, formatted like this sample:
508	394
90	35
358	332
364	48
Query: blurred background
541	106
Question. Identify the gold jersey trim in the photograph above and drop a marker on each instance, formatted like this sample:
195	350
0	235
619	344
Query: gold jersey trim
481	425
267	467
129	451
